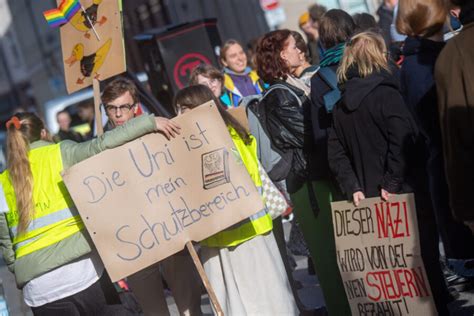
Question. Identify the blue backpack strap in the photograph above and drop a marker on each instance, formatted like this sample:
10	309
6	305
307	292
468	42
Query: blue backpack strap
332	97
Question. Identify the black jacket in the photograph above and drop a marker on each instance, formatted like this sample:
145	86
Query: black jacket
321	121
418	86
289	128
64	135
373	132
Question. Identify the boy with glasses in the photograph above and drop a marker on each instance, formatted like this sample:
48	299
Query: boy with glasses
121	104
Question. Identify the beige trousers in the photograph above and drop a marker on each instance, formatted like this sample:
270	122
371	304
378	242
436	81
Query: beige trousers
250	279
182	278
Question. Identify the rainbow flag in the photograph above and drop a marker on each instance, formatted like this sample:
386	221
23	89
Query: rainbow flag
61	15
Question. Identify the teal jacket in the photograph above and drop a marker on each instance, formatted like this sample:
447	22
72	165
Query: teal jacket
79	244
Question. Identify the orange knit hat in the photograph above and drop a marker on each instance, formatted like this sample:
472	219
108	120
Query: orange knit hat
304	18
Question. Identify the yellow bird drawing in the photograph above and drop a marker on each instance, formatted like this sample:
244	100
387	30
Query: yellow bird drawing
90	64
82	24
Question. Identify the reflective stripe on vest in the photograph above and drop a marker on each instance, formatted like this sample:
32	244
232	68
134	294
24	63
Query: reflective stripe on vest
47	236
55	216
46	220
256	224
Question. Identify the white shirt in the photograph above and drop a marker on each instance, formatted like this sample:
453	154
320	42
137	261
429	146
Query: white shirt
3	201
61	282
64	281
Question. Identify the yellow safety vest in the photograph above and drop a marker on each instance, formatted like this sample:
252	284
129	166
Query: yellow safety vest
55	217
255	225
82	129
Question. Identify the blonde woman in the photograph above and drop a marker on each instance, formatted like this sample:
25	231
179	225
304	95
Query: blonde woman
42	237
371	124
370	147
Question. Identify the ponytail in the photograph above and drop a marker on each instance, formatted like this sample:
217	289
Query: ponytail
22	129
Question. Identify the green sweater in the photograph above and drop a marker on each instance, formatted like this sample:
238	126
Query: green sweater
79	244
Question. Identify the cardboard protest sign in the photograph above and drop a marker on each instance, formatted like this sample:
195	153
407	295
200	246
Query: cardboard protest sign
378	254
240	114
143	201
92	43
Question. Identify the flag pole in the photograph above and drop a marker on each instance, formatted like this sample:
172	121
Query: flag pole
90	22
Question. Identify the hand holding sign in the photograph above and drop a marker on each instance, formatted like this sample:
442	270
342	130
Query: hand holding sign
385	194
357	197
167	127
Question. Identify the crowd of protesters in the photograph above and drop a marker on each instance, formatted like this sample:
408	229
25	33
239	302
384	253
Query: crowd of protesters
356	108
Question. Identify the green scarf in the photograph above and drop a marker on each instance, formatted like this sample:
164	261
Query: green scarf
333	55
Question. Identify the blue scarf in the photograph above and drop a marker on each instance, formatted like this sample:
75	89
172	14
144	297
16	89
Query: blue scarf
333	55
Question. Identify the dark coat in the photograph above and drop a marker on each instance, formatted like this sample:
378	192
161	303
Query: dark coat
67	135
419	92
418	86
455	82
321	121
373	132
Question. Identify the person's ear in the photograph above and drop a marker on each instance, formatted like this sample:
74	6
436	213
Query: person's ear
105	111
224	62
135	110
302	56
283	55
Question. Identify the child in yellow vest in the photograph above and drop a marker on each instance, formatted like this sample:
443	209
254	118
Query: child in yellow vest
42	236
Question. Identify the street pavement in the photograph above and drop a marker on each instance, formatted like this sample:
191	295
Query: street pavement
310	293
13	296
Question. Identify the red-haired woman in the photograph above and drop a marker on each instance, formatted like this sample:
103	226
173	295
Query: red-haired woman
288	123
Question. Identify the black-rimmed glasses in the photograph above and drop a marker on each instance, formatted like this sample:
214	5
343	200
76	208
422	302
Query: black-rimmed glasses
112	109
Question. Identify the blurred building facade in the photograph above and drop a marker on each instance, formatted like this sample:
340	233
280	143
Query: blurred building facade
31	67
29	55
